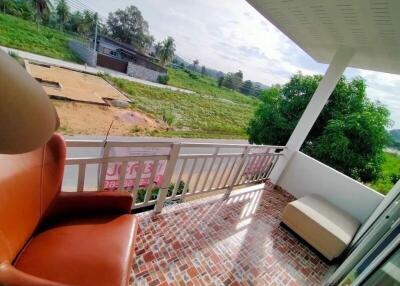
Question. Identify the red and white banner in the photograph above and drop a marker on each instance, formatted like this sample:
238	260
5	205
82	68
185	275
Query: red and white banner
114	169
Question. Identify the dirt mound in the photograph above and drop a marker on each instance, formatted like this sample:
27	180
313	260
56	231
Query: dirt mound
89	119
136	118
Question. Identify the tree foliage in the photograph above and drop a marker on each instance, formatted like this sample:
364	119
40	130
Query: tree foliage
165	50
18	8
42	9
129	26
349	135
247	88
233	80
63	13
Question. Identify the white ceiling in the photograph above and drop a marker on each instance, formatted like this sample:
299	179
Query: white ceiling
370	27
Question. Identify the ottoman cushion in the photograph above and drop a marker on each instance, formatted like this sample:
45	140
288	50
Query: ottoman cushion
324	226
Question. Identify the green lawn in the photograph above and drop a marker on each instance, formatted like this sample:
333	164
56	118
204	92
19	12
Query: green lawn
24	35
390	174
207	85
209	113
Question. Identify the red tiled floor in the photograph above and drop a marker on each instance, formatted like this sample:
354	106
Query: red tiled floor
214	242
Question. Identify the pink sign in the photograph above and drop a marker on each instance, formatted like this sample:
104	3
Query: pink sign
114	169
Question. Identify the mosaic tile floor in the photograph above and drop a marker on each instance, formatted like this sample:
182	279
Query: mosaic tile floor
214	242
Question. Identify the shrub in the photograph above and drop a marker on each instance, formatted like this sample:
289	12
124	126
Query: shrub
394	178
154	192
168	117
163	79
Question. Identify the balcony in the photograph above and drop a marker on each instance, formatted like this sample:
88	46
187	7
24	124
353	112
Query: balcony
208	213
238	241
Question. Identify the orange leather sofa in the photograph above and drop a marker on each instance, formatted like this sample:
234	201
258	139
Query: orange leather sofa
49	238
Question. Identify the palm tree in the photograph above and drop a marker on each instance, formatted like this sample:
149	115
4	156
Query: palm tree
62	13
42	9
8	6
165	51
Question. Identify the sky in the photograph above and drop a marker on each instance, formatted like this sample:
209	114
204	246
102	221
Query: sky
230	35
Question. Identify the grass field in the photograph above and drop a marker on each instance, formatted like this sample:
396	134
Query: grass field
390	174
210	113
24	35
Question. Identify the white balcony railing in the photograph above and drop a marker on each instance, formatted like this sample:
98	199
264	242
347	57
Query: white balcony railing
156	172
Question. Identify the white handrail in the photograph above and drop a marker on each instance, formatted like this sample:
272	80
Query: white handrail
182	170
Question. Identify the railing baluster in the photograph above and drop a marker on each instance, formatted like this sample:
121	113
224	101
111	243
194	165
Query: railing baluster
275	159
200	174
137	181
267	166
215	154
150	187
262	166
81	177
191	175
223	172
252	167
242	161
230	171
122	175
257	164
169	171
179	178
104	166
216	173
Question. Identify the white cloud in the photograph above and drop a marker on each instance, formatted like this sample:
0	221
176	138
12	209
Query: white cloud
230	35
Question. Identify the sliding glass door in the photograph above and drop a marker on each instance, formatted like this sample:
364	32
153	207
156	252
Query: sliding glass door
373	244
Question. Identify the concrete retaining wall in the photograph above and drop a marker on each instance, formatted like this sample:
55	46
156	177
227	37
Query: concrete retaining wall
143	72
305	176
84	51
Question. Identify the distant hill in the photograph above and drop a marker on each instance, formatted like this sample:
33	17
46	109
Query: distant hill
395	133
395	138
211	72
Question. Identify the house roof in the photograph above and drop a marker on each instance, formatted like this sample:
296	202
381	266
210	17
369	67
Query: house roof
127	47
370	27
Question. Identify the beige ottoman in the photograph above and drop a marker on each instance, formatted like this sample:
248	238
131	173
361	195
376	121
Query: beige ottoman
324	226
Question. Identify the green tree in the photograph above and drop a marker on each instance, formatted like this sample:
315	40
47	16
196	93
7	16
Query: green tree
237	80
8	7
42	10
229	81
165	50
203	70
349	135
129	26
247	88
63	13
257	89
220	81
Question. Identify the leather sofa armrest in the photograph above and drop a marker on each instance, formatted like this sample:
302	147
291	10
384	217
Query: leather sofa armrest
10	276
87	203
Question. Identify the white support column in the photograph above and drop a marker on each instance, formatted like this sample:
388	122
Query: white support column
325	88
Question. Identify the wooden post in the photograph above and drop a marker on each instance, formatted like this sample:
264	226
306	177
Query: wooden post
169	171
243	158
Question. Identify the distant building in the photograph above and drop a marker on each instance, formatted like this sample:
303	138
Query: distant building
122	57
119	57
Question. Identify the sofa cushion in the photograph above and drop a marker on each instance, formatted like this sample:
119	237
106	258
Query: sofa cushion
323	225
82	251
29	183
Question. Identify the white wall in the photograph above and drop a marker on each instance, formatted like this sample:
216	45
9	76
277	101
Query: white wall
305	175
